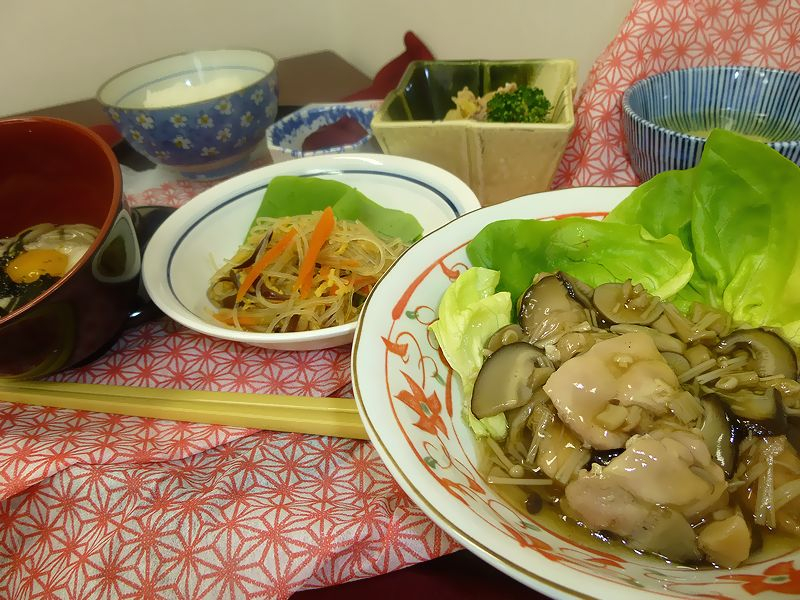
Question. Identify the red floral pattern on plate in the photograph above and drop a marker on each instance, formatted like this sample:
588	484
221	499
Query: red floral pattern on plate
782	577
106	506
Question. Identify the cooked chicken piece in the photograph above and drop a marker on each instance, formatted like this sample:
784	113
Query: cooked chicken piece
670	468
602	504
595	392
662	481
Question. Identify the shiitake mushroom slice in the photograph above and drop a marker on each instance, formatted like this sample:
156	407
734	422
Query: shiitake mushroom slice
504	336
577	289
547	307
506	380
771	355
626	303
768	419
719	433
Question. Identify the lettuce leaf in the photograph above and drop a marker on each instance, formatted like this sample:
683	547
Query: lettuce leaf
738	213
469	313
593	251
289	195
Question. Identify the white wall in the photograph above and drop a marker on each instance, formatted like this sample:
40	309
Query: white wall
56	51
493	29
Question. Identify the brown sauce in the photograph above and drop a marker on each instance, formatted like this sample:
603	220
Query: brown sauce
346	130
549	517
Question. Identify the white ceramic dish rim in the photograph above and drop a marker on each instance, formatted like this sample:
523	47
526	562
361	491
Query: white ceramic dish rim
177	226
551	578
130	70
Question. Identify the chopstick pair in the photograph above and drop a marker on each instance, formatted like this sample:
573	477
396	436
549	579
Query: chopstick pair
336	417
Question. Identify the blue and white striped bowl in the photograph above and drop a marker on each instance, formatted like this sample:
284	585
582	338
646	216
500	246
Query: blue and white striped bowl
285	137
667	117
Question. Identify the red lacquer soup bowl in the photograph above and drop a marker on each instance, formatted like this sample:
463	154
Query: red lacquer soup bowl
58	172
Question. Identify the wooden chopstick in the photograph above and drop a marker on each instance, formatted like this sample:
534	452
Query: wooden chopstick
336	417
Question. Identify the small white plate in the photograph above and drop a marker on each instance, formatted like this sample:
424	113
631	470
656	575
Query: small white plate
410	402
194	241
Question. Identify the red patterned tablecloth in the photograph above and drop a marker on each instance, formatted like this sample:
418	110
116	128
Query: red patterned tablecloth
101	506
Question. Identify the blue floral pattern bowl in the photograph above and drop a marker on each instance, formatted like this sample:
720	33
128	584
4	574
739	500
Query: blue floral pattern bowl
667	117
202	113
285	137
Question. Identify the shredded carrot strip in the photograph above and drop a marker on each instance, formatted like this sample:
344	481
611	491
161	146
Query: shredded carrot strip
321	233
359	282
268	257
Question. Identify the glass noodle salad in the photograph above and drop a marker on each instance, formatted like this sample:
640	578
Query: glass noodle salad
638	376
313	253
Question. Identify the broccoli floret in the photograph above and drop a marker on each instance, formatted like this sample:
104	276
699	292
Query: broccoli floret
523	105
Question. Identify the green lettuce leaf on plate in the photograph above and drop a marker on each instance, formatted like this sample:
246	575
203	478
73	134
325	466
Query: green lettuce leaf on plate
594	251
738	213
289	195
469	313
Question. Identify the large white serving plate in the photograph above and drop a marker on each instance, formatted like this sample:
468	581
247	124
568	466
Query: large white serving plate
410	402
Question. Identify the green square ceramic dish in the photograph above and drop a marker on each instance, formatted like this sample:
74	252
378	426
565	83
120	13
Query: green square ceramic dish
499	161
